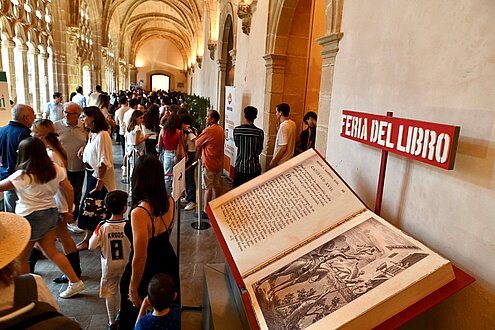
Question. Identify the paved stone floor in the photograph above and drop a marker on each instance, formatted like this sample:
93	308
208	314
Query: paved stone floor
197	248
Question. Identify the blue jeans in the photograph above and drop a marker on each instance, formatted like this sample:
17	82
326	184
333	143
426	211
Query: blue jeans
169	161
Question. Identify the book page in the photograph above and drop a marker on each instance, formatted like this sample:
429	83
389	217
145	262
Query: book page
345	275
282	209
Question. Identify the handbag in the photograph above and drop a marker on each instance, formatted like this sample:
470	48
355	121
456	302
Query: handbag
94	206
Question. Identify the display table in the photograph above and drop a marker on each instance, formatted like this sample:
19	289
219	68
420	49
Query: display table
223	308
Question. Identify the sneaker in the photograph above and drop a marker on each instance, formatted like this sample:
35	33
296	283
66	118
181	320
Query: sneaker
74	228
72	289
204	215
190	206
183	201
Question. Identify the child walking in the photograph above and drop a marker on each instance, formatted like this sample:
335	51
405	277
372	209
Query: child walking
115	248
165	315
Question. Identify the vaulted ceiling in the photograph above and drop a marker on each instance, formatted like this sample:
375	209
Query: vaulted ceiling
134	22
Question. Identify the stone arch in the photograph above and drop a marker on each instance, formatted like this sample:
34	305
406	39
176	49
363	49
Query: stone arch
289	53
227	26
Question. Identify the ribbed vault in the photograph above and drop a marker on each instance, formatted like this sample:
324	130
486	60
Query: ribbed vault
137	21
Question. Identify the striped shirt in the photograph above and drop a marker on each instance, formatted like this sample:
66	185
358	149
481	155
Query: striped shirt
249	142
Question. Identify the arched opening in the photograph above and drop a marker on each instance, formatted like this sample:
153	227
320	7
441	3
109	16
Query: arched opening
51	74
225	66
293	63
159	81
86	79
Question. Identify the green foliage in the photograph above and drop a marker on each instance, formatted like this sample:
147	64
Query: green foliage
198	106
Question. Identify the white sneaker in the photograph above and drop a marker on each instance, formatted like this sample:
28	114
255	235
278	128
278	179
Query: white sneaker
72	289
74	228
183	200
190	206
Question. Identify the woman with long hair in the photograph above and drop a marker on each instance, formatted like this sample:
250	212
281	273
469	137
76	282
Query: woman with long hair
36	181
100	175
134	138
149	231
103	103
171	142
151	125
44	129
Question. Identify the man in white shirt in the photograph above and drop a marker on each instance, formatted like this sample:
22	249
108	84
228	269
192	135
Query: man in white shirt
73	136
93	98
54	110
79	97
285	142
119	120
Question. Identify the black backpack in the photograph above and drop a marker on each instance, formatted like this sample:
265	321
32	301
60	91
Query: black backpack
37	315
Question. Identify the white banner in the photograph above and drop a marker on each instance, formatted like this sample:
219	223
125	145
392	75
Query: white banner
231	121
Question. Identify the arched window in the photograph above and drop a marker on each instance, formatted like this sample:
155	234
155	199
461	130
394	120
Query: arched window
51	74
86	78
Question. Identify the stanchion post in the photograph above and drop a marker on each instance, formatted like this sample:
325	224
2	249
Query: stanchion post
200	225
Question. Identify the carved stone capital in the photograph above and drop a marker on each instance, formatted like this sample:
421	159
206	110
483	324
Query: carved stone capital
211	47
330	45
245	12
199	60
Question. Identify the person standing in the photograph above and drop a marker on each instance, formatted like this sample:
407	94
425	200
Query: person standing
79	97
114	250
54	110
100	174
249	142
190	134
210	145
152	219
10	136
119	121
307	138
93	98
73	137
286	136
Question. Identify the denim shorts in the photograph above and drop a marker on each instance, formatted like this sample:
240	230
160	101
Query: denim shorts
41	222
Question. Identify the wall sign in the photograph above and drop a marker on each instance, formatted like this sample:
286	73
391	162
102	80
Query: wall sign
430	143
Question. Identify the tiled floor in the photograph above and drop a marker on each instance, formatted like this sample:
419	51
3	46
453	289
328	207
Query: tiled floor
197	249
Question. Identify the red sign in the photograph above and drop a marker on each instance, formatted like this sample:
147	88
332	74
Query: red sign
430	143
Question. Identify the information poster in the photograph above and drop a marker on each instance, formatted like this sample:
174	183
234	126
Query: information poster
231	121
5	113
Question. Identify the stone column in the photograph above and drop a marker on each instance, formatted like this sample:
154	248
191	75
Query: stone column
222	77
44	86
9	67
330	47
34	53
62	83
274	92
55	73
22	75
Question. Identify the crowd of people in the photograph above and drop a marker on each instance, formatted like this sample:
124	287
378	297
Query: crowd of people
46	162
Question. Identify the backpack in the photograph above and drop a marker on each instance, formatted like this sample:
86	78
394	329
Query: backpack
29	313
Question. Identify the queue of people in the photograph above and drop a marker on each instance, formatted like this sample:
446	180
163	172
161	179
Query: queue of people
45	164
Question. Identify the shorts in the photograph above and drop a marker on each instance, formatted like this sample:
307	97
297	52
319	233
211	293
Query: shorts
41	222
210	179
110	285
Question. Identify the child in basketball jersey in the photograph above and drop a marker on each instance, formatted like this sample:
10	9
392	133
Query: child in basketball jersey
115	248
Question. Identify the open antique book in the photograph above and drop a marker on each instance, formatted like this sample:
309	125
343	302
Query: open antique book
308	254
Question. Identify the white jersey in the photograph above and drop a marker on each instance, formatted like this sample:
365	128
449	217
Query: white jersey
114	244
